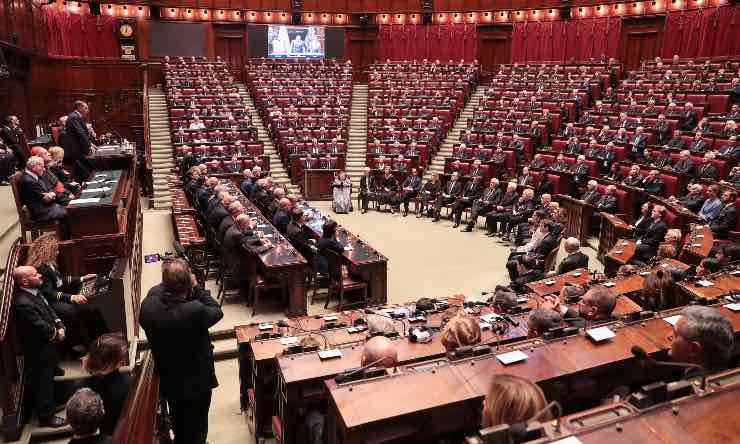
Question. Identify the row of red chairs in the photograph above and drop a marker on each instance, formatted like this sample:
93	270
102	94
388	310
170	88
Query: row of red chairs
228	149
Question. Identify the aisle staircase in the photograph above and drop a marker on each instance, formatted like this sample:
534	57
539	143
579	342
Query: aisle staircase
161	143
445	149
357	143
278	171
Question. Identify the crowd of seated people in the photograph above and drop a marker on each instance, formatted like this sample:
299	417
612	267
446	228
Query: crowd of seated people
305	106
208	117
411	107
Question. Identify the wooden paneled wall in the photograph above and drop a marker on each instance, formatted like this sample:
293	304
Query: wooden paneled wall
23	25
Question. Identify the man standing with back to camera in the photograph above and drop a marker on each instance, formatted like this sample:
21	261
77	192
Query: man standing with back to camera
176	315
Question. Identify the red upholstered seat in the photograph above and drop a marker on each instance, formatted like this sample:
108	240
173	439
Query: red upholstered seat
671	184
555	180
669	217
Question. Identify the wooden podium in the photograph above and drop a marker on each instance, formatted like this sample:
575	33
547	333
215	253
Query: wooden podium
578	223
316	184
612	228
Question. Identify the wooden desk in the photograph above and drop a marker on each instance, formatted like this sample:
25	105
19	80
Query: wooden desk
362	259
696	419
612	228
101	217
620	254
316	184
724	284
427	401
575	277
301	377
698	244
633	283
578	222
282	262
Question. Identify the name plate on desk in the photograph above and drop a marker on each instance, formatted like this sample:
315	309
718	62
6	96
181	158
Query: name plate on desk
83	201
600	334
705	283
266	326
330	354
672	319
512	357
733	307
292	340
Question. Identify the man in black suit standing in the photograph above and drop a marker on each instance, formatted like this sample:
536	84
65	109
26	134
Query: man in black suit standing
449	194
176	315
40	331
575	258
410	189
37	194
726	219
647	243
79	143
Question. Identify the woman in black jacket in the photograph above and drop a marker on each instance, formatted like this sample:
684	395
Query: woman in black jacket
104	359
62	292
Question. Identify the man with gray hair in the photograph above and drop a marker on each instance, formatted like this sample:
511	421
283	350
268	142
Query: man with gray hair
236	208
37	194
575	258
377	324
704	337
85	413
541	320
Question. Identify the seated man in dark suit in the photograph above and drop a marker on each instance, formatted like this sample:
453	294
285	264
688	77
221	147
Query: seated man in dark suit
235	208
550	233
239	239
40	330
707	170
595	306
301	236
694	200
448	194
702	336
726	219
526	272
281	218
652	184
591	195
647	243
37	194
730	149
684	164
471	192
676	142
698	145
219	211
575	259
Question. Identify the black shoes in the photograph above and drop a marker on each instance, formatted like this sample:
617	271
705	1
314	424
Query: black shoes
467	229
490	234
436	219
54	422
405	213
455	225
58	371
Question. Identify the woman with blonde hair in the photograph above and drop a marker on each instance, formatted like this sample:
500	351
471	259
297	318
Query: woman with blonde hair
57	169
461	330
62	292
510	400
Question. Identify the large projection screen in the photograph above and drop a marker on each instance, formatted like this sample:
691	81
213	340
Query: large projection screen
293	42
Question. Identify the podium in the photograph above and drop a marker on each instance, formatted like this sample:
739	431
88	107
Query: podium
578	223
316	184
612	228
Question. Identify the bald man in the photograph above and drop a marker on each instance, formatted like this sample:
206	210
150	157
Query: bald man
281	219
40	330
381	350
220	211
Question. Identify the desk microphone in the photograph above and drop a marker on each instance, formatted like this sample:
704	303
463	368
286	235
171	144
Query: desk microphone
640	353
383	315
313	332
346	376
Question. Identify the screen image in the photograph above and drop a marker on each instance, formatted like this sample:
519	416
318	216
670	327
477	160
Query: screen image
296	42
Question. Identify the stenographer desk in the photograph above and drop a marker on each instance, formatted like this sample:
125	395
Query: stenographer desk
301	376
433	399
95	212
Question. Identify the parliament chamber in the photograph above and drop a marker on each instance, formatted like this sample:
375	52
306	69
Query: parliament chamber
386	222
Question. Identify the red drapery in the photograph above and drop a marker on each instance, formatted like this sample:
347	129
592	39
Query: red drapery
77	35
708	32
560	41
417	42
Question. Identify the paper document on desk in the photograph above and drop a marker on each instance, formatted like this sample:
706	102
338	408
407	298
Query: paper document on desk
672	319
95	190
85	201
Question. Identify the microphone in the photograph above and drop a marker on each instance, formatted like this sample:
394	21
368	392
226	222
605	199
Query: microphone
316	332
383	315
347	375
640	353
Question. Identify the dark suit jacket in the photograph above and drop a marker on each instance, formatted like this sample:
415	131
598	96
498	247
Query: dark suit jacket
607	204
37	325
367	184
725	221
299	236
591	197
508	200
656	187
31	191
707	171
203	195
412	182
684	166
54	284
573	262
225	224
654	234
525	181
234	250
113	389
280	219
216	215
453	190
78	139
519	284
177	331
692	202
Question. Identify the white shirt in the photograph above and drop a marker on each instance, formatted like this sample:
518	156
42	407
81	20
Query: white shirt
533	243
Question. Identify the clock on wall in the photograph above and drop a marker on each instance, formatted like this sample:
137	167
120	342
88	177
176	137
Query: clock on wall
126	29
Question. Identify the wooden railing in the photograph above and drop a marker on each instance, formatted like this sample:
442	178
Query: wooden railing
11	357
138	423
146	175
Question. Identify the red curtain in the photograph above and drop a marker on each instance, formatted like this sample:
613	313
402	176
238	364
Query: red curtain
708	32
417	42
76	35
560	41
